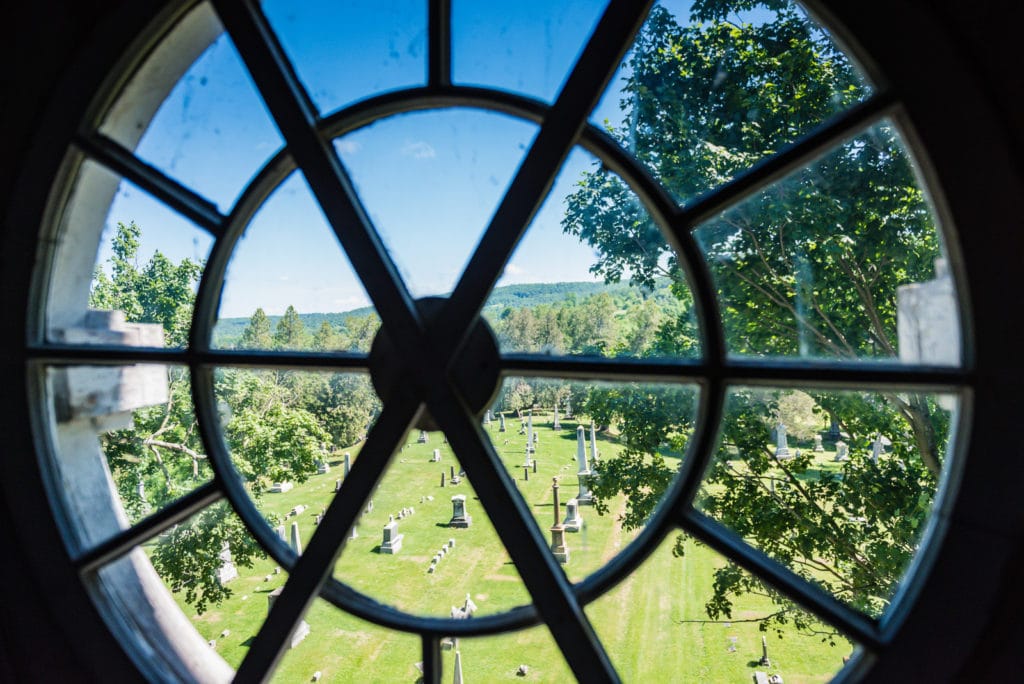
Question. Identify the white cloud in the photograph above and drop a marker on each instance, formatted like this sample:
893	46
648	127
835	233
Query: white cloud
348	146
513	270
419	149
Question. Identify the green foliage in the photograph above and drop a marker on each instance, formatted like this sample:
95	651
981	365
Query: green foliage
189	556
807	267
161	292
257	334
290	332
277	423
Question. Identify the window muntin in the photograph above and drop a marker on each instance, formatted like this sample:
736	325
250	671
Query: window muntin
738	372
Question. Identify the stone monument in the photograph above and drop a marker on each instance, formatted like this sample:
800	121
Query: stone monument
392	541
501	422
818	447
842	451
296	541
781	445
459	517
558	547
555	424
573	522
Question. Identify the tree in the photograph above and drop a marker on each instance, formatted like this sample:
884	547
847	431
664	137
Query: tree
326	338
807	267
256	334
270	433
290	332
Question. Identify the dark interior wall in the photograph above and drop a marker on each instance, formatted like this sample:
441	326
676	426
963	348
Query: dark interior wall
49	630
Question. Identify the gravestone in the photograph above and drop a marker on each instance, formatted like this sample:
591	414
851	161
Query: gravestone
282	534
436	458
459	517
487	417
353	534
422	438
452	477
593	445
529	434
347	462
301	629
322	468
833	431
764	662
842	452
337	486
227	571
529	461
501	424
392	541
281	487
526	473
296	540
584	497
781	445
581	449
555	424
558	547
457	676
818	447
442	478
573	522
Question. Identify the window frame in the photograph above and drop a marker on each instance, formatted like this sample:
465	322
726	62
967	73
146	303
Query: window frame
967	524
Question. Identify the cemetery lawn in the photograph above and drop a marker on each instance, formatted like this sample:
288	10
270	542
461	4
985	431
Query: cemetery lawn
653	624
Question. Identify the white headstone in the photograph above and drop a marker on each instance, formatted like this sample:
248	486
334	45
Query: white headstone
529	433
347	462
781	445
392	541
842	451
573	521
818	448
581	449
876	448
593	445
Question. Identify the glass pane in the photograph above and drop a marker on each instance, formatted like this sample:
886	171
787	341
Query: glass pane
288	432
347	51
214	571
709	89
842	259
127	443
527	47
720	621
212	132
424	540
343	648
593	276
613	447
530	655
430	182
290	286
148	263
838	486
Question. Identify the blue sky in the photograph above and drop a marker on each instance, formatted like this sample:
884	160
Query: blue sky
430	181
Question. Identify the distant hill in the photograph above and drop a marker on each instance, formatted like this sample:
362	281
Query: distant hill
527	295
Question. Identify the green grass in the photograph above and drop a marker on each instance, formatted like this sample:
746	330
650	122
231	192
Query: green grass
642	621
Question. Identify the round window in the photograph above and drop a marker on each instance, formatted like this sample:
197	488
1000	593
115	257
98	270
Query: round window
601	325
